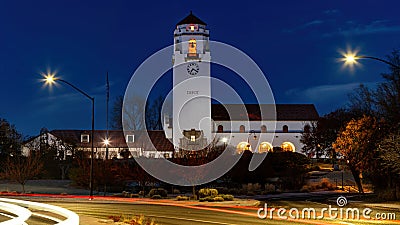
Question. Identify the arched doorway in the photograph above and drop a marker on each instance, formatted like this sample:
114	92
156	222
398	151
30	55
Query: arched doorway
288	147
243	146
265	147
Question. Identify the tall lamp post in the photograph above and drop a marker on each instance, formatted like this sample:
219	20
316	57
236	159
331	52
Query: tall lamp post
351	58
49	80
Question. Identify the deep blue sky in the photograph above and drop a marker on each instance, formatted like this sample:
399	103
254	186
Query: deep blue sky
295	43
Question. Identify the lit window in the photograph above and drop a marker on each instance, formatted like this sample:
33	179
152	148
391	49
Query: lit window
192	138
265	147
85	138
243	146
288	147
192	47
130	138
192	27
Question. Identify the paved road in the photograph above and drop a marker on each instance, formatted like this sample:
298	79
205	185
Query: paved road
169	212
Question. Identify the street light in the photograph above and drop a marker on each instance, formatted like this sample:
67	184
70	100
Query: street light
50	79
350	58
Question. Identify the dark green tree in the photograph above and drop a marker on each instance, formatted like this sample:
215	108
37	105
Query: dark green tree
10	140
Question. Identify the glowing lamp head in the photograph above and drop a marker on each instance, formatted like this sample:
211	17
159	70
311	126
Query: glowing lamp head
106	142
350	58
49	79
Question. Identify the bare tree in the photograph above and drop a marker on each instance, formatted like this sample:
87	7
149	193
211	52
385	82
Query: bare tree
21	168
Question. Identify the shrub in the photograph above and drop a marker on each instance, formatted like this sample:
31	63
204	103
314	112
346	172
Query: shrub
315	168
176	191
182	198
134	196
115	218
227	197
207	199
269	188
326	184
205	192
218	199
156	197
158	191
323	184
118	195
306	188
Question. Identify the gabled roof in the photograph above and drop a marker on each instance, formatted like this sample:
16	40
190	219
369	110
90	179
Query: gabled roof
191	19
284	112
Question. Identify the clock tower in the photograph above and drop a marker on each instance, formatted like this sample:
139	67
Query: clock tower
191	85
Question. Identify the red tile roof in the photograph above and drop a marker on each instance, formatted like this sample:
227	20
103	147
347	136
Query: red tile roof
281	112
117	139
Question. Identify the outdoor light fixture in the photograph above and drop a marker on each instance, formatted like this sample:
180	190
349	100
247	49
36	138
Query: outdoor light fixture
350	58
50	79
106	142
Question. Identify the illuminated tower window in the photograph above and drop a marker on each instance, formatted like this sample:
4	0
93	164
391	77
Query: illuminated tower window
192	138
192	48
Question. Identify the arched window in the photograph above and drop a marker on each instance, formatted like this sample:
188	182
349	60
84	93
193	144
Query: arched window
263	129
285	129
241	129
265	147
220	129
243	146
192	47
288	147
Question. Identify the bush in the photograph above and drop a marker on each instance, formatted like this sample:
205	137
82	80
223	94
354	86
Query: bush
158	191
218	199
315	168
126	194
307	188
326	184
227	197
205	192
269	188
323	184
182	198
176	191
156	197
134	196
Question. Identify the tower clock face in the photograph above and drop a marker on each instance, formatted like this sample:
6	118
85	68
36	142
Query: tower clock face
193	68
